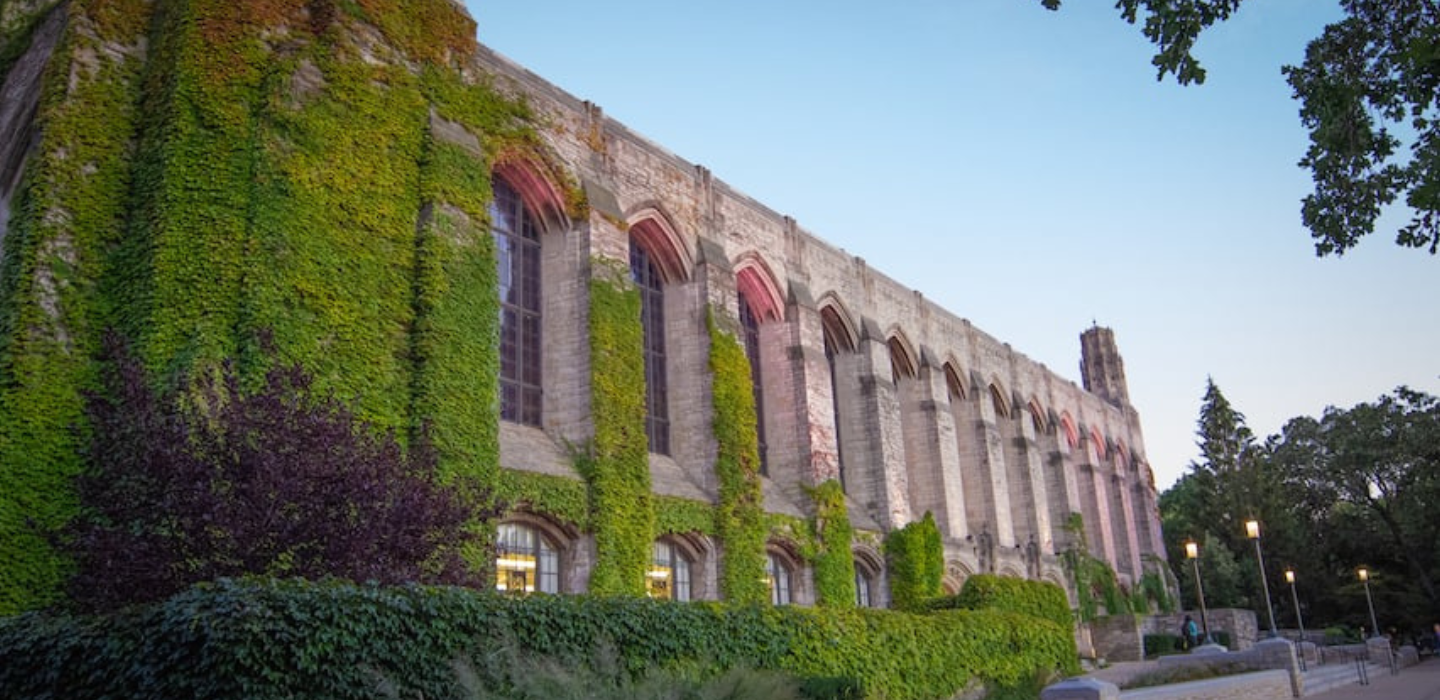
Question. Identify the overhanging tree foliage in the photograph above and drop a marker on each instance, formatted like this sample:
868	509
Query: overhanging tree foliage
217	481
1367	90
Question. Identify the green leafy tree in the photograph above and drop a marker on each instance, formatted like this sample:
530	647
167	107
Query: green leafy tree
1378	461
1368	85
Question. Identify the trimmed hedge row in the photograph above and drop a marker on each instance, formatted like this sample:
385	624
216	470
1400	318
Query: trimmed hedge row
299	639
1046	601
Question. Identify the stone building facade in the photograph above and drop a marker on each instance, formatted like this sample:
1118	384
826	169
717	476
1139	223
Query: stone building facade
859	378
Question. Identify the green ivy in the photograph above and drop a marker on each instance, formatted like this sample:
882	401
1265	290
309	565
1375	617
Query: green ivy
69	211
834	563
617	467
1041	599
1155	585
557	496
257	174
917	563
679	516
1092	577
283	639
739	517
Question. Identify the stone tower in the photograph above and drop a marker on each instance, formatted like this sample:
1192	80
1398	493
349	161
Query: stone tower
1101	366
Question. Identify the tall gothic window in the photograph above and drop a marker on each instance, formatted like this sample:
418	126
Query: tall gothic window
751	326
835	341
517	250
646	276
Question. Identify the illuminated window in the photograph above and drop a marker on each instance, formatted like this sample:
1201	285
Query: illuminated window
669	575
652	316
525	562
777	577
517	252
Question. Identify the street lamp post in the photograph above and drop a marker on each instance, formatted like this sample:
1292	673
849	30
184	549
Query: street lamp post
1252	530
1364	574
1192	552
1290	579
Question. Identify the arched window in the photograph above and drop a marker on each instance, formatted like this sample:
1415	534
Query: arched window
750	324
863	584
525	561
779	577
651	285
517	251
836	340
669	575
867	579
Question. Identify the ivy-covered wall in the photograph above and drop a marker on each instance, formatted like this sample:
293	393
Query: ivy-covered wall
739	516
917	563
70	212
218	176
618	464
834	562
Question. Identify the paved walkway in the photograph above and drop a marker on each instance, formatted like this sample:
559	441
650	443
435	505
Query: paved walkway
1418	682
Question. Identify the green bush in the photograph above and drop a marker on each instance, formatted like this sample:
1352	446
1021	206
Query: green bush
297	639
917	563
990	592
1161	644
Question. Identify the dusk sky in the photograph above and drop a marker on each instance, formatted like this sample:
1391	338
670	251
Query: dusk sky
1024	169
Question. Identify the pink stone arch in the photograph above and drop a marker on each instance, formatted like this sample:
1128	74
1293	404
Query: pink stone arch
539	194
756	284
654	232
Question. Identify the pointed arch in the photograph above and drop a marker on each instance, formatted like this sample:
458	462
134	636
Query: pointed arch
902	357
756	284
1037	416
651	229
997	396
838	328
1098	444
954	383
1067	426
539	192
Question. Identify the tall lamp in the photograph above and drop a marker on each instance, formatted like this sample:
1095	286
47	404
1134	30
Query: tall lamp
1290	579
1364	574
1252	530
1192	552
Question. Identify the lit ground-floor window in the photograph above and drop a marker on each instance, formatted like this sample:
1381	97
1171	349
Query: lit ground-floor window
525	562
669	575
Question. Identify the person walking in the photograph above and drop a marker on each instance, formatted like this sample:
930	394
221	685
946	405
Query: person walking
1191	632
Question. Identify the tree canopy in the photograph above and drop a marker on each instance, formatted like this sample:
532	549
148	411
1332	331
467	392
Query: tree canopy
1368	95
1354	487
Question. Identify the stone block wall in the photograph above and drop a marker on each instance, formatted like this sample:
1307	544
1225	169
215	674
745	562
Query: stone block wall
924	412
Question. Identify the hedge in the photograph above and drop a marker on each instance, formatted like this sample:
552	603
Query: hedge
1046	601
297	639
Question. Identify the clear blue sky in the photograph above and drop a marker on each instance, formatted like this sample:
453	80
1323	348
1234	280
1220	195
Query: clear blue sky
1025	170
